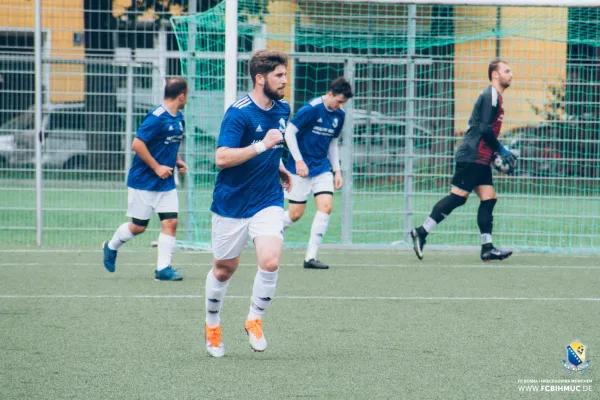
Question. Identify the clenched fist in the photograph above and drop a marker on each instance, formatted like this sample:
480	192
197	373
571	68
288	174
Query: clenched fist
273	137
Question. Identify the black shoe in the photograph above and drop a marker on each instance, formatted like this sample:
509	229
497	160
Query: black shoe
418	242
493	253
315	264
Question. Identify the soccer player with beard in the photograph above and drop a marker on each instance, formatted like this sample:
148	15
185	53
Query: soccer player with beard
248	196
472	169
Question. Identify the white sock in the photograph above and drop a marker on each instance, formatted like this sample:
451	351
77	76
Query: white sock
263	292
287	221
215	294
486	238
122	235
317	231
429	224
166	247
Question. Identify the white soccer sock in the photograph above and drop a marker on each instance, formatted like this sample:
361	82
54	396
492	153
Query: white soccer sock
215	294
263	292
429	224
287	221
486	238
122	235
166	247
317	231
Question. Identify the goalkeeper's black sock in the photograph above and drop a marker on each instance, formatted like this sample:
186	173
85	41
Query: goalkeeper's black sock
445	206
485	220
441	210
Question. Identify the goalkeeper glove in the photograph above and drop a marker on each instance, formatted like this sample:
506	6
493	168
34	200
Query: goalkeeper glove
507	155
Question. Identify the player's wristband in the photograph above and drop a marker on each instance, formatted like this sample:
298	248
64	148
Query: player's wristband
260	147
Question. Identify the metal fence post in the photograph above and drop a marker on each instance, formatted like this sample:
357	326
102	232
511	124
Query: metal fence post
348	159
410	115
38	122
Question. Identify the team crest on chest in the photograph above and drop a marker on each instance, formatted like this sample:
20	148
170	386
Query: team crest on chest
282	125
334	123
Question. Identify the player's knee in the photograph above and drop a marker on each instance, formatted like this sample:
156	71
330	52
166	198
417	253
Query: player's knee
138	230
170	223
222	270
325	208
269	262
296	214
138	226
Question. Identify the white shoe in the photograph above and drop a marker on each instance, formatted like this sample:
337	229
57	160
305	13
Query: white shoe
255	335
214	345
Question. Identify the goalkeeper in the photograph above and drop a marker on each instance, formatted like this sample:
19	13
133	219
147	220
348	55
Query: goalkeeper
472	169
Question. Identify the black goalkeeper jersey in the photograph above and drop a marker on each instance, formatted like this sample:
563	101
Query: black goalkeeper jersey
488	110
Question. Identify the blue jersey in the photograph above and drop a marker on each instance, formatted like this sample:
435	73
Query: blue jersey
162	133
244	190
316	127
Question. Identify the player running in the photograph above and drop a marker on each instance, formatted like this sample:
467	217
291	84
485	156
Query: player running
312	137
150	182
248	196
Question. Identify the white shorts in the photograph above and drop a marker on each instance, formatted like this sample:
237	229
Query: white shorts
141	203
231	235
302	187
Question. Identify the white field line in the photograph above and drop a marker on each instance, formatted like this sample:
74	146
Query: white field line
518	254
382	298
416	265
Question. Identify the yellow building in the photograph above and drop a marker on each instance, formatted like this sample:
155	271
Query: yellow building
63	35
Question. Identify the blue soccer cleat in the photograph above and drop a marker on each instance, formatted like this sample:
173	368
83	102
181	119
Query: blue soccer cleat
110	257
167	274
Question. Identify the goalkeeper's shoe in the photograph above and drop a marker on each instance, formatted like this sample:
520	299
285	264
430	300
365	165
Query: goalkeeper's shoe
167	274
315	264
214	344
418	239
255	334
492	253
110	257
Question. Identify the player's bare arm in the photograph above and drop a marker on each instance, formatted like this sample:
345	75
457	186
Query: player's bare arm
228	157
181	165
141	150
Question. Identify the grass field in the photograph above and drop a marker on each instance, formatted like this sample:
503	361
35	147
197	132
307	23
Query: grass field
378	325
78	215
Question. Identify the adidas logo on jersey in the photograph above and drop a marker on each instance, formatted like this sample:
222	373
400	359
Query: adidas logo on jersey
320	120
259	129
170	127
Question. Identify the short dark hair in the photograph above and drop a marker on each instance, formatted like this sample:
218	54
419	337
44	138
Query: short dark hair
494	67
175	86
341	86
265	61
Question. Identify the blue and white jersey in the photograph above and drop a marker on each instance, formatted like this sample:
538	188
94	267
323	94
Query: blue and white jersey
244	190
162	133
316	127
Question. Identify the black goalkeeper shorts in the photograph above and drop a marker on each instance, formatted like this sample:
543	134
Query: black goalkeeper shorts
468	176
